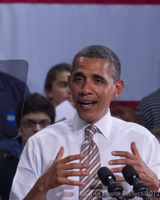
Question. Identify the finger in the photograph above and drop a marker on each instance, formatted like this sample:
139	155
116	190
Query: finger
134	149
75	173
116	170
59	154
72	158
120	179
76	166
122	161
64	118
122	154
71	182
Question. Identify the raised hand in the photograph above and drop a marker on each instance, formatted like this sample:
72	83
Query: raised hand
134	159
58	174
61	169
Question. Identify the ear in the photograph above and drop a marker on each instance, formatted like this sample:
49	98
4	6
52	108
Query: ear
49	94
69	82
119	85
20	132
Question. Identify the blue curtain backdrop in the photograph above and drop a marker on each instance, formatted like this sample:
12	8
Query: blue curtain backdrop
45	33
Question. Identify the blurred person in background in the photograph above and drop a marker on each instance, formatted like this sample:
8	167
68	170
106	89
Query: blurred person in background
57	91
125	113
12	91
37	114
149	110
56	84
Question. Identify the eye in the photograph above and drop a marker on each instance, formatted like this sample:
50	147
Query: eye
98	80
63	84
44	123
78	79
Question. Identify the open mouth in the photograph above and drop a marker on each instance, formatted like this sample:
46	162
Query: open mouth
87	103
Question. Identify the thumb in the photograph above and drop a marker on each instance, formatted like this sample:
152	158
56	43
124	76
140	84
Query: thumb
134	149
59	154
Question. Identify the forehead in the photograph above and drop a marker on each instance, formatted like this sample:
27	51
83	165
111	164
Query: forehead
62	75
35	116
92	64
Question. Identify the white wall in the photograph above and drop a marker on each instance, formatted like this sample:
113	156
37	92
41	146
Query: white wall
45	35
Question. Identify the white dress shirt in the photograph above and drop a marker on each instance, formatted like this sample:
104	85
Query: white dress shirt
41	150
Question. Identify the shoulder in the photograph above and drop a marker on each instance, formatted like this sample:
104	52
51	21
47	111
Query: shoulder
49	139
55	130
11	81
8	77
131	128
149	100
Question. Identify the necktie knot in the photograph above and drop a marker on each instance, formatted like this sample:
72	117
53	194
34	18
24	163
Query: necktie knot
90	131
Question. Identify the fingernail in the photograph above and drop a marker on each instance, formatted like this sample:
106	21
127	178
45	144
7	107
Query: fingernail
85	173
113	152
82	183
86	165
110	162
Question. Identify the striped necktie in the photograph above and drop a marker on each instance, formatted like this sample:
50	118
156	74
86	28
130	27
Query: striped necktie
92	189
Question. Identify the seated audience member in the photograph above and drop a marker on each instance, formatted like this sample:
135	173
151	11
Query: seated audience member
149	110
12	91
56	84
61	162
37	114
125	113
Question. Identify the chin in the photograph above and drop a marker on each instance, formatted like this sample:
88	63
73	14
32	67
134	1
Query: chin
87	118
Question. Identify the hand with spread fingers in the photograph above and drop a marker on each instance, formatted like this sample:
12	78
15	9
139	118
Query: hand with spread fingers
146	174
58	175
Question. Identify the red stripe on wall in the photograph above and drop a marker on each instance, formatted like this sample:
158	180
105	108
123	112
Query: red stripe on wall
129	2
131	104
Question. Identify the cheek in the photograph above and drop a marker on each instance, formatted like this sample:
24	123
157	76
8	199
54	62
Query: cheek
58	92
63	92
106	97
74	92
26	134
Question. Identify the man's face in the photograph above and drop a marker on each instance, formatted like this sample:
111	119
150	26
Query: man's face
60	89
92	88
32	123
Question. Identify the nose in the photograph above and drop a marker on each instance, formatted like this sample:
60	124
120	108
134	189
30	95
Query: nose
87	87
37	128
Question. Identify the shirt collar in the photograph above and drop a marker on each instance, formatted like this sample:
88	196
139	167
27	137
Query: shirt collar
104	124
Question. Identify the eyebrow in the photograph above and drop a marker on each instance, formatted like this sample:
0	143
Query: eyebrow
99	77
95	76
78	74
63	81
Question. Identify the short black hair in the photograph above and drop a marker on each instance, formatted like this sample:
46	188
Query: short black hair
32	103
101	52
51	75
